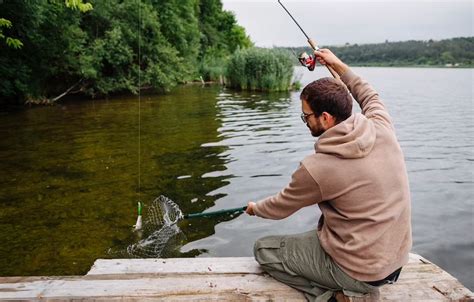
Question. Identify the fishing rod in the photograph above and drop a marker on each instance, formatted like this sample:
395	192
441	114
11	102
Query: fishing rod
216	213
305	59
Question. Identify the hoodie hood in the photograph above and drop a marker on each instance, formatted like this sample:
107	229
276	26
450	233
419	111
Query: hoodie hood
352	138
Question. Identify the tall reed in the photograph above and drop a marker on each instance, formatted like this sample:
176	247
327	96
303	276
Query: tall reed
260	69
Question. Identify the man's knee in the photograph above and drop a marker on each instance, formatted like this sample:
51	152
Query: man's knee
266	250
256	249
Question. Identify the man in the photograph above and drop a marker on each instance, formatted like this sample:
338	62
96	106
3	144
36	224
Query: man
358	178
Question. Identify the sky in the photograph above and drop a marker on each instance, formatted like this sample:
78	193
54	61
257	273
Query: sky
336	22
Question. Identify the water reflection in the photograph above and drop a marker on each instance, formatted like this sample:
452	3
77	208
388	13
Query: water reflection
70	178
264	140
249	124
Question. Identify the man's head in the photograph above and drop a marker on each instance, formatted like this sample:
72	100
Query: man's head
325	103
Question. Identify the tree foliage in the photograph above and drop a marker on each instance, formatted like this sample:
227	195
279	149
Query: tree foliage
220	37
78	4
106	47
12	42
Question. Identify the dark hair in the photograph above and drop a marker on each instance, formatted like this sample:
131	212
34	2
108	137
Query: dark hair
328	95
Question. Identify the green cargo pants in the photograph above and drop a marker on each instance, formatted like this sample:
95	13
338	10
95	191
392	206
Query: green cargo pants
300	262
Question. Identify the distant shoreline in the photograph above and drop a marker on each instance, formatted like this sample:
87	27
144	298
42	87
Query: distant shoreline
413	66
402	66
449	53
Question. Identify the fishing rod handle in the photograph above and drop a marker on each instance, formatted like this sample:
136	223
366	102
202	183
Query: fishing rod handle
315	47
313	44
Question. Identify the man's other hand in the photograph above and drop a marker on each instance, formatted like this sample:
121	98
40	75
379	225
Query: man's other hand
250	207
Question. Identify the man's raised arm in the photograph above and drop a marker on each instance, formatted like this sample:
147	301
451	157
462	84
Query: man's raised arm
368	99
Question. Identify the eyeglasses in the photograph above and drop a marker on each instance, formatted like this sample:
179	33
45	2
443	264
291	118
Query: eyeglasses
304	117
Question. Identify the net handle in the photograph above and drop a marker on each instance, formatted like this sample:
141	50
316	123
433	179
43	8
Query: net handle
215	213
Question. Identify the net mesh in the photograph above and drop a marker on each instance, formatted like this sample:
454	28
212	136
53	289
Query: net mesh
160	230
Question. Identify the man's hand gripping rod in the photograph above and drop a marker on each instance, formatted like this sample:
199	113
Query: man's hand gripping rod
311	42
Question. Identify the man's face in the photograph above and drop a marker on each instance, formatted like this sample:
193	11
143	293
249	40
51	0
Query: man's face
312	121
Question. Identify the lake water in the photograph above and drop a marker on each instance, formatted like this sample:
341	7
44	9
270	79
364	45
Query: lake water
70	175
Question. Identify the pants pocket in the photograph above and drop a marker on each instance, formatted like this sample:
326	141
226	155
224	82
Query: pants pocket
267	250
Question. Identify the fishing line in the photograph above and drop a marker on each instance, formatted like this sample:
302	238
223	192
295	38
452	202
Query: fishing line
139	102
305	59
138	224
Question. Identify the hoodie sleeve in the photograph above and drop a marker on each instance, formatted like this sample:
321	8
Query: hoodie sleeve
302	191
368	99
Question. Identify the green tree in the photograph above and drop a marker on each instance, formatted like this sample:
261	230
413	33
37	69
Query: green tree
128	51
116	47
447	57
79	4
220	37
12	42
180	26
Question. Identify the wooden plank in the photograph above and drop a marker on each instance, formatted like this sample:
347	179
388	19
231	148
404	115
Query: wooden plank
422	280
194	265
249	287
227	265
213	279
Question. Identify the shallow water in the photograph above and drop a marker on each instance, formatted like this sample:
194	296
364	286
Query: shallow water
70	178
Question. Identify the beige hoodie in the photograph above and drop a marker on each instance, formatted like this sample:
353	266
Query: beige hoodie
358	178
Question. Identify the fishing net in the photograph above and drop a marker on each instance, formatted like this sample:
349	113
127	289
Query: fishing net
161	233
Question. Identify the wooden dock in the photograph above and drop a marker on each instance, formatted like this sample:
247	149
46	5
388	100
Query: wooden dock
212	279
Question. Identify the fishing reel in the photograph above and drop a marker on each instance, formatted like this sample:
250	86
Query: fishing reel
307	61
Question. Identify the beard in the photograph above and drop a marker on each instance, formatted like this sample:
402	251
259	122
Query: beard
317	133
317	130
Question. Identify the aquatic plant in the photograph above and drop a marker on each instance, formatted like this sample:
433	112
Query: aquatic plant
260	69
